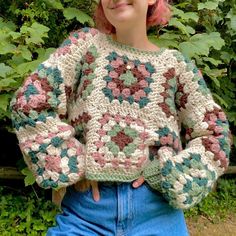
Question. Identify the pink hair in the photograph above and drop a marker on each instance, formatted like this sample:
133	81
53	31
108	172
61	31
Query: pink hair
158	14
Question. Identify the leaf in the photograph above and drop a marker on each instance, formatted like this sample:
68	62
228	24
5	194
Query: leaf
7	25
4	70
6	83
184	29
185	16
212	61
28	67
4	35
234	141
207	5
166	40
233	23
82	17
232	117
232	16
221	100
4	101
190	29
15	35
215	74
44	54
210	5
226	56
26	53
16	60
170	35
6	47
29	179
191	15
56	4
35	33
200	44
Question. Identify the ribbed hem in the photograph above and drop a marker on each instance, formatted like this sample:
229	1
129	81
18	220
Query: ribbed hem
112	176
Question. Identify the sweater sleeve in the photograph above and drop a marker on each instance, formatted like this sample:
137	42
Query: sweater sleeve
39	112
185	178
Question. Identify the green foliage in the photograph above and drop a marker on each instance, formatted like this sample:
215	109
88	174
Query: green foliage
25	214
217	205
29	177
71	13
33	32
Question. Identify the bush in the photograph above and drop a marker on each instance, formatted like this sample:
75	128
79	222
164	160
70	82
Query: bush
24	213
219	204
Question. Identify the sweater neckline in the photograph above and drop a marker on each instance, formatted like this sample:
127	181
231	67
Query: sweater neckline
132	49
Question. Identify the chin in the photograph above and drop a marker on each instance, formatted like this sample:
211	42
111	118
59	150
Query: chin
123	18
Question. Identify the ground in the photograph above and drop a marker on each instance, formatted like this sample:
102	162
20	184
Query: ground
201	226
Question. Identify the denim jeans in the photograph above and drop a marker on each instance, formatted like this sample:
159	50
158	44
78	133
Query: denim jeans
121	210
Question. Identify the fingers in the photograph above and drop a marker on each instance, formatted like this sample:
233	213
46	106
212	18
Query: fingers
82	185
95	191
137	183
77	186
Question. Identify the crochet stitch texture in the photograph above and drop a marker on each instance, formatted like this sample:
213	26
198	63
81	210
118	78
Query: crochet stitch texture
100	110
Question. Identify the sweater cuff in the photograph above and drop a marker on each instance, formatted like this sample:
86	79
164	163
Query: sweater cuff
152	174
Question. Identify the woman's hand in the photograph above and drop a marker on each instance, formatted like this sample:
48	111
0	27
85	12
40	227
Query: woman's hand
138	182
84	185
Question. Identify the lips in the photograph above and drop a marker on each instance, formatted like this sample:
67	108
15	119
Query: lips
120	4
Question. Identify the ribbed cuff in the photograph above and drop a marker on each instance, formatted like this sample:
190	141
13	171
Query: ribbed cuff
152	174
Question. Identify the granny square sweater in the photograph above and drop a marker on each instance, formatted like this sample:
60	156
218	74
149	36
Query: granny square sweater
101	110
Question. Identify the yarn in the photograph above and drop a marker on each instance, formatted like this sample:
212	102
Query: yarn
105	111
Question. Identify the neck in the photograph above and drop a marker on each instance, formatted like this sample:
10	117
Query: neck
135	37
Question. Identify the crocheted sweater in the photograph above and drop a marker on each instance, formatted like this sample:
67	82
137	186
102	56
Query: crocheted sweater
101	110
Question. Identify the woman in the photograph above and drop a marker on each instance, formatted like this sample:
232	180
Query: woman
119	149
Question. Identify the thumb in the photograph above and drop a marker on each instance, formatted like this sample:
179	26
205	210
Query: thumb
137	183
95	191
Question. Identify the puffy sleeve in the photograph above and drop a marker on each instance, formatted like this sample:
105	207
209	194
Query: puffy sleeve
39	112
185	178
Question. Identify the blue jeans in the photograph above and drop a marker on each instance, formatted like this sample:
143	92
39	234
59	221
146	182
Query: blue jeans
122	210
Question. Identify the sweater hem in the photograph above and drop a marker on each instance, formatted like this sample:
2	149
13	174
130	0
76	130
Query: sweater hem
114	177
